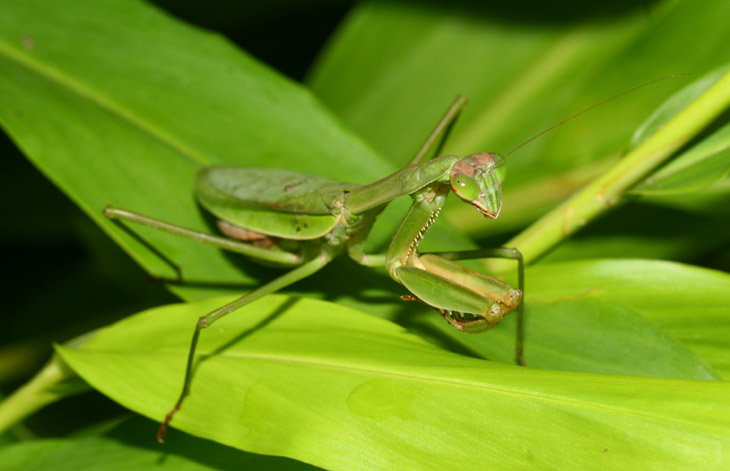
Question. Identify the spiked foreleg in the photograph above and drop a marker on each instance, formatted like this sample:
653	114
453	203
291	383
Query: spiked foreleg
501	252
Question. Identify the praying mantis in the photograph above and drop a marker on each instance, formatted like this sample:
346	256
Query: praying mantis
301	222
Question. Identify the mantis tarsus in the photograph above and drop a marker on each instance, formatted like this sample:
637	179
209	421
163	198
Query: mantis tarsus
303	221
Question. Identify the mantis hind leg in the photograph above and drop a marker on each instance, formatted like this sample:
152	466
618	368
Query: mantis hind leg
508	253
207	320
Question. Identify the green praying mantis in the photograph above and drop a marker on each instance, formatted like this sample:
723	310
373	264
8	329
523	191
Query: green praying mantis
302	222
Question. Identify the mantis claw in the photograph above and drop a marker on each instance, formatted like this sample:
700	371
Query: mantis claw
474	323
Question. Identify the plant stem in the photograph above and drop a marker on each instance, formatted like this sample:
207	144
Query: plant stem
608	189
55	381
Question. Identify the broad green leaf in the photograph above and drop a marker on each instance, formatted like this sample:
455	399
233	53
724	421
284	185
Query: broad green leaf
691	178
577	320
392	64
588	328
128	446
334	387
596	332
712	202
687	303
119	104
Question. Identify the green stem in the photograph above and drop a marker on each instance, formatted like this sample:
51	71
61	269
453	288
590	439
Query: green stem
55	381
607	190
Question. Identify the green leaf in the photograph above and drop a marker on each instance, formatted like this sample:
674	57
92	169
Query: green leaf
652	229
523	70
694	177
696	167
592	316
119	104
674	104
596	332
130	445
331	386
687	303
693	170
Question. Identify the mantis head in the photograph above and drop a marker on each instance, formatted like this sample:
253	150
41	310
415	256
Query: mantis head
477	179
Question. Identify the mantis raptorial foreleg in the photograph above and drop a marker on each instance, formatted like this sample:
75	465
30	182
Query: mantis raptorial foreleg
437	137
468	300
499	252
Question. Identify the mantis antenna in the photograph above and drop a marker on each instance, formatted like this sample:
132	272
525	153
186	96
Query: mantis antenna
592	107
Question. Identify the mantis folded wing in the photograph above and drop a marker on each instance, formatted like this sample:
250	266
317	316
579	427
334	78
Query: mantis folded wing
303	221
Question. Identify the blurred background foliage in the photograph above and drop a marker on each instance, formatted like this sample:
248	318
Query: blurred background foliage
386	69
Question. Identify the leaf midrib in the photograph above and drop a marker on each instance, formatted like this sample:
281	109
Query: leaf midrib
83	90
564	400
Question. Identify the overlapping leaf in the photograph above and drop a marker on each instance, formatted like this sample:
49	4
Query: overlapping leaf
687	303
334	387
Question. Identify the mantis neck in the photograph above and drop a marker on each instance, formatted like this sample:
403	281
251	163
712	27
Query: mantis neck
423	212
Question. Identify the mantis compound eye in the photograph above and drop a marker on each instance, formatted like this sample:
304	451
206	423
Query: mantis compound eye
477	180
465	187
